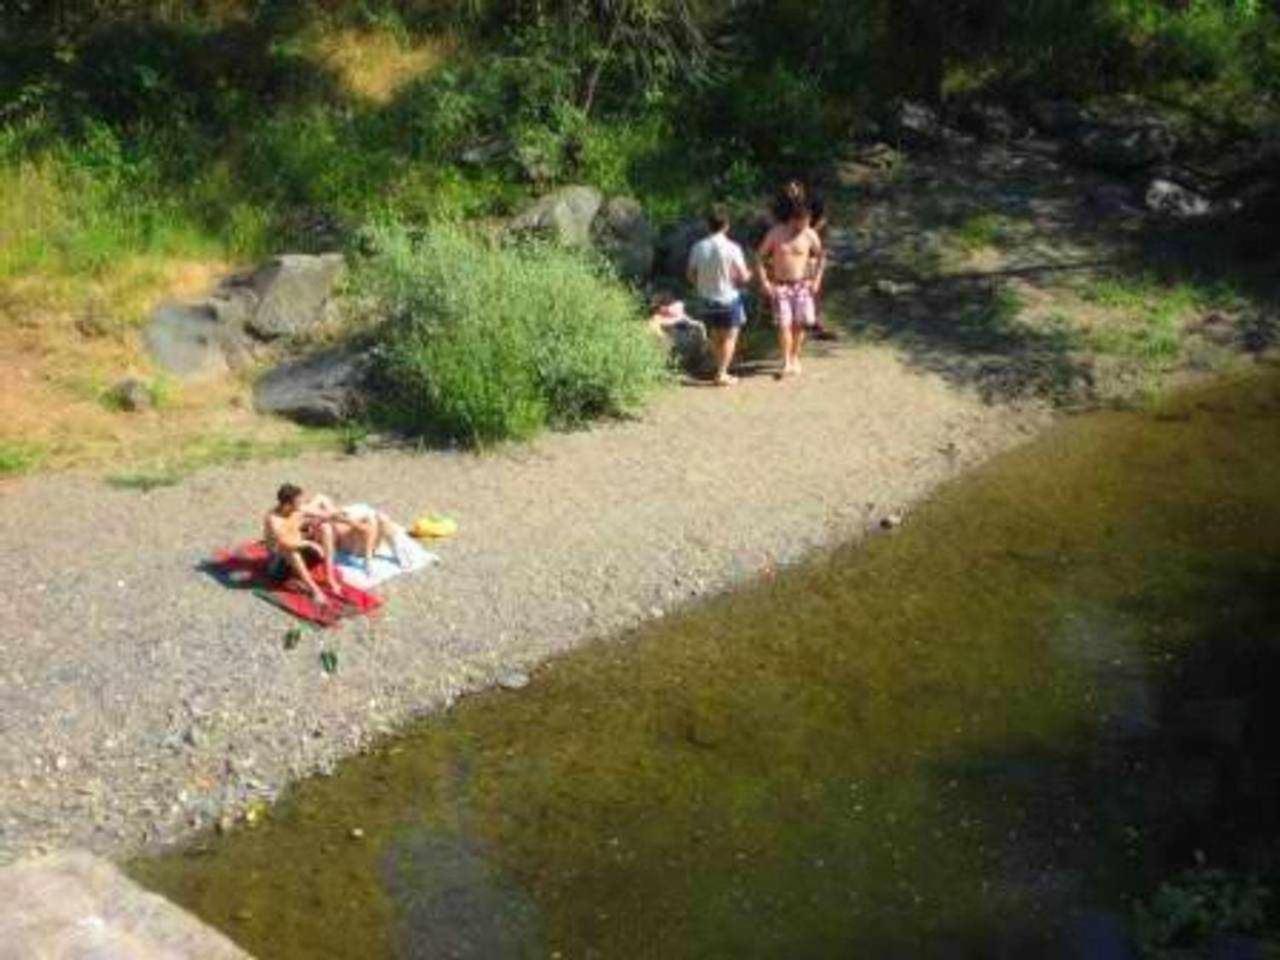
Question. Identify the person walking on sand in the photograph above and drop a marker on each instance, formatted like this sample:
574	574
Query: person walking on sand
791	265
717	269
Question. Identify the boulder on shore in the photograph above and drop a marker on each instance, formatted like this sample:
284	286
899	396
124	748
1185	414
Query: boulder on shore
322	390
688	343
290	297
74	905
623	233
675	243
294	292
192	342
564	215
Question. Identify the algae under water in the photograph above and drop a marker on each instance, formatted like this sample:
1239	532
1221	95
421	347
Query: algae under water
972	737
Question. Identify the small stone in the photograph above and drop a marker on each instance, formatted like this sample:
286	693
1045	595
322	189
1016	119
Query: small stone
890	288
890	521
357	833
131	395
61	763
242	915
513	680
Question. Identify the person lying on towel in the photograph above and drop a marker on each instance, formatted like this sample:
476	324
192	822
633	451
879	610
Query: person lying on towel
291	532
358	528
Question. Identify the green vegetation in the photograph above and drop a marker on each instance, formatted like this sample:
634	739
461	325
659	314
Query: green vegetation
154	128
981	230
147	145
18	457
1196	905
216	449
483	343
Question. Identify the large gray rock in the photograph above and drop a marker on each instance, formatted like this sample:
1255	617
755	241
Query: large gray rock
73	906
294	294
914	122
1172	199
565	215
191	342
675	243
623	233
324	389
688	343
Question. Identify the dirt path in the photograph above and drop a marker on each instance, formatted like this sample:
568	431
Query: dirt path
141	700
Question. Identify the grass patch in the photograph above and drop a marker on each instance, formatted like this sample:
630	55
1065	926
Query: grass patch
144	482
483	344
210	450
376	64
17	456
981	230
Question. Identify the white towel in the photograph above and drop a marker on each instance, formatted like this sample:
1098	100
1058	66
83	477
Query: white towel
384	565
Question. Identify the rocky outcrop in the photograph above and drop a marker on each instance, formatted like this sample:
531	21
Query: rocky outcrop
193	342
294	294
1123	146
564	215
322	390
687	341
623	233
288	298
73	906
914	123
1172	199
675	243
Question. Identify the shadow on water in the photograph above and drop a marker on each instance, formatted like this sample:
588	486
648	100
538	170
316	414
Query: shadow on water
980	736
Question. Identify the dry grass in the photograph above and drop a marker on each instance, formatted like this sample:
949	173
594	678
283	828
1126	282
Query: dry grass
376	64
64	341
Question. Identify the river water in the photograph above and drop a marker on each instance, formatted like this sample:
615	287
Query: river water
979	735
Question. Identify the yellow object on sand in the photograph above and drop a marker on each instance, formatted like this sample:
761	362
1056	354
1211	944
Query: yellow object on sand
431	526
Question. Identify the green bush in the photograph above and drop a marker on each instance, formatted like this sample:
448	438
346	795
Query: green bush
777	118
481	343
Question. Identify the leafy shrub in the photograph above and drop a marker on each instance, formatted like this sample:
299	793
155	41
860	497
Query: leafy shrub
480	343
778	118
1198	904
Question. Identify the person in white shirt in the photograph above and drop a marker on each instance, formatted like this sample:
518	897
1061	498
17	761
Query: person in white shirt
717	269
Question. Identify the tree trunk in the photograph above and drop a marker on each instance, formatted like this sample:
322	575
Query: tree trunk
597	70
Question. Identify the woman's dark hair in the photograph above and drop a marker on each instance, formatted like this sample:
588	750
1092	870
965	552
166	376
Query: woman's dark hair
287	493
787	207
817	206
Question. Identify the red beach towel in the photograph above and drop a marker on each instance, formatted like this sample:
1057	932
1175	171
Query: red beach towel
245	568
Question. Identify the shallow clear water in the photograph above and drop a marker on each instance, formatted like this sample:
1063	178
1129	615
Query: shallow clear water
960	739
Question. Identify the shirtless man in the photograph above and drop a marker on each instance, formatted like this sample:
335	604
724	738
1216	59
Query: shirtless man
291	531
791	265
